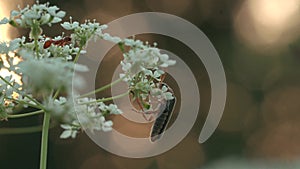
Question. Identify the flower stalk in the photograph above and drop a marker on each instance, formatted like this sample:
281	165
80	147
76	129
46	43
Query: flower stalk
102	88
14	116
106	99
47	67
44	142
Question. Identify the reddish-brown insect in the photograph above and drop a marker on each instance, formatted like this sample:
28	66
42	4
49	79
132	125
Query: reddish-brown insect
64	41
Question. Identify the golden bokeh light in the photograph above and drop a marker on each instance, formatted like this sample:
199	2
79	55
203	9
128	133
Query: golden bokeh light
6	34
265	24
275	13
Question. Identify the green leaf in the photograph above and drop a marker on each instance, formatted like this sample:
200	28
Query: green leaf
146	105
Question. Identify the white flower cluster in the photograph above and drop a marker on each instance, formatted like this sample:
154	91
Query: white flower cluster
89	117
8	60
11	46
66	51
44	75
77	115
25	101
143	57
51	69
162	94
47	66
84	31
6	107
37	14
143	66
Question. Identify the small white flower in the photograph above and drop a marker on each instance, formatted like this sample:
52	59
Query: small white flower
52	10
169	96
69	132
14	44
103	27
20	22
30	14
4	21
14	13
66	126
114	109
3	48
45	18
163	57
56	20
164	88
60	14
126	66
61	100
66	134
113	39
124	77
107	126
171	62
133	43
70	26
158	73
40	14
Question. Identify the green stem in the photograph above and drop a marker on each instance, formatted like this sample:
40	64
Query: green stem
22	102
18	91
14	116
56	94
78	54
75	60
44	142
36	47
35	32
21	130
45	129
122	47
106	99
101	88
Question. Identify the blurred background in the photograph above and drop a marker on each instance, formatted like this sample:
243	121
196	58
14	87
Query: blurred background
258	42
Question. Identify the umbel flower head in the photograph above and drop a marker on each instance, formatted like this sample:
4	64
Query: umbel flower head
86	30
47	71
143	67
37	14
34	17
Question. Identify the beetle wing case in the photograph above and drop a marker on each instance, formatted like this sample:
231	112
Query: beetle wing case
161	122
